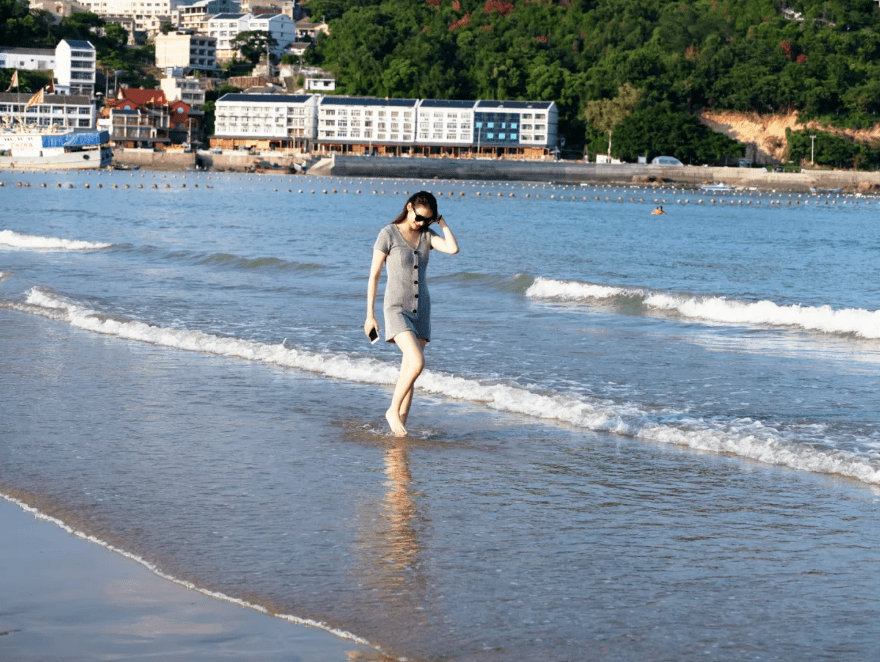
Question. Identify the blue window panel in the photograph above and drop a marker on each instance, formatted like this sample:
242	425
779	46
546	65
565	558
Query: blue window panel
500	136
513	125
513	136
491	125
490	136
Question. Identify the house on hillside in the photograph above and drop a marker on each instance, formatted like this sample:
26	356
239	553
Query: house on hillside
186	51
147	119
62	110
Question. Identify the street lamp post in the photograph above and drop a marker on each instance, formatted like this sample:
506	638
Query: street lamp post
812	150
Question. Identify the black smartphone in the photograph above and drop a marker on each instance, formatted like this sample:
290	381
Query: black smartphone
374	335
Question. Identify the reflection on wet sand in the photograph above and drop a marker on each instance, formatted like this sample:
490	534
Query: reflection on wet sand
391	569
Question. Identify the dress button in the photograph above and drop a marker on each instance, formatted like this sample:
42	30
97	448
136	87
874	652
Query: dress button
415	282
415	266
415	252
417	296
415	311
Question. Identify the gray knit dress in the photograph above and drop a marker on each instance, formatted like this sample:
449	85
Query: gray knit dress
407	302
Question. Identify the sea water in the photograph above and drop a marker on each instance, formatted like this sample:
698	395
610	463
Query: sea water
637	437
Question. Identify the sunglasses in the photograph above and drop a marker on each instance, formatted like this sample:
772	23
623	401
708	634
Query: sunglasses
425	219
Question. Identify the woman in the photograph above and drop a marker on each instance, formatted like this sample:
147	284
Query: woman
404	246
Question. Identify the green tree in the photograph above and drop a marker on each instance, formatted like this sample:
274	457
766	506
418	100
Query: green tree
253	44
605	114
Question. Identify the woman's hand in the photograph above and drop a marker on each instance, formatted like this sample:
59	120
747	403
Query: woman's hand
446	243
370	325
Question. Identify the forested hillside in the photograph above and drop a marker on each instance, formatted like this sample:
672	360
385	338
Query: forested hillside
821	59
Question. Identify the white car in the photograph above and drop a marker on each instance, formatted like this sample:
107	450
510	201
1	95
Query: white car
666	160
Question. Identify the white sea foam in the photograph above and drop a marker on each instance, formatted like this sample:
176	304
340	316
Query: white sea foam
30	242
159	573
744	437
568	290
852	321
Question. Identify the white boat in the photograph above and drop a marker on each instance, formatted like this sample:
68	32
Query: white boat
30	148
720	186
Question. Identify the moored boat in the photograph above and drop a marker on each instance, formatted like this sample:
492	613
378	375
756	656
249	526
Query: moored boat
719	187
32	148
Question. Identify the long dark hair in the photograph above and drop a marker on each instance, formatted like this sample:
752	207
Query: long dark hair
421	199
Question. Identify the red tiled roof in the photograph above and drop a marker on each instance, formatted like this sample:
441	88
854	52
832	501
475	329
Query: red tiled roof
141	97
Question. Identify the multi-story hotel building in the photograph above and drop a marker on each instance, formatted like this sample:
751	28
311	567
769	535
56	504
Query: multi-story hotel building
362	125
72	63
186	51
75	67
357	123
149	15
265	121
62	110
194	17
226	27
446	123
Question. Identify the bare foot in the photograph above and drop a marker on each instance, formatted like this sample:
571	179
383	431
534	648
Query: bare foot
394	421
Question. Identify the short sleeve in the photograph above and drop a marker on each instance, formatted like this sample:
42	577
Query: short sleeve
434	233
383	241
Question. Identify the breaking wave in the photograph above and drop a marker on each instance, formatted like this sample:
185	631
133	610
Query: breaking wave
30	242
720	310
744	437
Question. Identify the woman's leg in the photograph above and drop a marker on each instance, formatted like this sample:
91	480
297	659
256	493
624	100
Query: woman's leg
411	366
407	399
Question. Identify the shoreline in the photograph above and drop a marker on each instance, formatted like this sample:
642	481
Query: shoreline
68	598
561	172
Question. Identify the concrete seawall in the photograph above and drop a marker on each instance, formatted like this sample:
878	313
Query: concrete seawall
148	159
567	172
574	172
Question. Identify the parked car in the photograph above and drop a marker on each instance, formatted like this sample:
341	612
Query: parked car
666	160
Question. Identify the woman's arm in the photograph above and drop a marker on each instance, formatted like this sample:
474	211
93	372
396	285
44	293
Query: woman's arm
372	286
446	243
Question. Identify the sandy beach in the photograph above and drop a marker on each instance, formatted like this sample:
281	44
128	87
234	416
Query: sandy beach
65	598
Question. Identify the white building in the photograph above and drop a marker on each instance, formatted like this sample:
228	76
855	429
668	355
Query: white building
265	120
64	111
320	84
186	51
358	120
59	8
188	89
75	67
72	63
446	122
280	27
195	17
224	28
27	59
516	123
149	15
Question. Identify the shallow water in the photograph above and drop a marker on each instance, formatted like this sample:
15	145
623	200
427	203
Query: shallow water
640	437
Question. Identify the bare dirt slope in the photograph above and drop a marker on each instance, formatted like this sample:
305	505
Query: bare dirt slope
767	132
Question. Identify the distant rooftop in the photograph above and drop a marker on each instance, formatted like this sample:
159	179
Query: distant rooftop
266	98
366	101
516	105
27	51
78	43
447	103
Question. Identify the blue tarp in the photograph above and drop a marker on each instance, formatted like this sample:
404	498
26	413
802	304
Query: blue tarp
76	138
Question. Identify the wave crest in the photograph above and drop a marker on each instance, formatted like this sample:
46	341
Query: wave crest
720	310
742	437
31	242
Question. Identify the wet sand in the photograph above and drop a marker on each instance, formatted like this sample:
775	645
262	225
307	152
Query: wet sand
65	598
